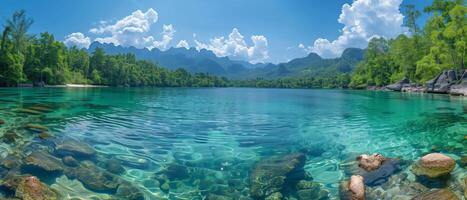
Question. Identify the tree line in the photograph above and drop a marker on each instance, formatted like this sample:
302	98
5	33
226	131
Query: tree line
43	60
422	55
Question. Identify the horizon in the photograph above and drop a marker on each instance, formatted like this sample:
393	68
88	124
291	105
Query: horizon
153	24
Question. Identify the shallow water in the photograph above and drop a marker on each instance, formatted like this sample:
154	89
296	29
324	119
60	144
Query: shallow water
221	133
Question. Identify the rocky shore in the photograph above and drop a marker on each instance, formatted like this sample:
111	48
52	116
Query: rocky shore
447	82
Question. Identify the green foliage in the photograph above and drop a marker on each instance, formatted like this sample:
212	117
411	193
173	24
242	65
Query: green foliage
423	55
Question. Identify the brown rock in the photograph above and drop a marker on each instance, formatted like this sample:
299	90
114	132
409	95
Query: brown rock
2	121
370	162
30	188
434	165
357	187
438	194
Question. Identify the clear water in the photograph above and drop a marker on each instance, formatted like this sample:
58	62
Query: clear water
225	131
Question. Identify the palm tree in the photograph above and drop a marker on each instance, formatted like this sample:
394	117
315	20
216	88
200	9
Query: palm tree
19	25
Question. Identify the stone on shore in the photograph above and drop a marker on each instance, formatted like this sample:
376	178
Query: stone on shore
270	175
44	161
461	87
31	188
71	147
399	85
437	194
443	82
370	162
434	165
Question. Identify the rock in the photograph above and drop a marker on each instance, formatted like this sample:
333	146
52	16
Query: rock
70	161
10	137
114	166
437	194
93	177
443	82
434	165
275	196
44	135
398	85
463	161
29	111
357	188
270	175
465	187
10	162
461	87
165	187
311	190
382	174
71	147
128	192
217	197
177	172
2	121
36	128
44	161
30	188
370	162
40	108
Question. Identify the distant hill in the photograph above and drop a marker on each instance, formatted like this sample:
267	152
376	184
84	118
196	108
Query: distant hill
206	61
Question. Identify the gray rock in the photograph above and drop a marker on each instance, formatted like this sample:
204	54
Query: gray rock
129	192
399	85
443	82
44	161
461	87
71	147
70	161
93	177
437	194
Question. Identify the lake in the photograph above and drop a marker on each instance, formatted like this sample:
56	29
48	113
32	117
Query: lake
184	143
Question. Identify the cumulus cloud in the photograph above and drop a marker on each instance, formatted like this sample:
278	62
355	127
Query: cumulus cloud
77	39
363	20
184	44
134	30
235	47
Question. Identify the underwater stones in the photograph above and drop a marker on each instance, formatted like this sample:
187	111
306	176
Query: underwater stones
434	165
177	172
31	188
44	135
70	161
165	187
274	196
129	192
40	108
114	166
10	137
370	162
133	161
437	194
44	161
2	121
29	111
270	175
71	147
94	178
217	197
10	162
357	187
311	190
36	127
382	174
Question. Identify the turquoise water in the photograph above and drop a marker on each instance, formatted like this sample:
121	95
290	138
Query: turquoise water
221	133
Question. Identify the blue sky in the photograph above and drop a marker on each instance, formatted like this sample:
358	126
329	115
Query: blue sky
252	30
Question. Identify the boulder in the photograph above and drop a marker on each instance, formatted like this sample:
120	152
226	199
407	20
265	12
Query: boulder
30	188
114	166
93	177
70	161
381	175
129	192
461	87
434	165
71	147
10	137
311	190
357	187
398	85
443	82
271	175
44	161
437	194
2	121
370	162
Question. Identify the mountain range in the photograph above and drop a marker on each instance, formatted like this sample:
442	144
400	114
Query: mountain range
206	61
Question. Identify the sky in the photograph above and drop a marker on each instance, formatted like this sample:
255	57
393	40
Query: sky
251	30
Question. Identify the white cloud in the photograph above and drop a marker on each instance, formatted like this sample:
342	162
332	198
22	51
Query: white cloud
134	30
184	44
235	47
77	39
363	20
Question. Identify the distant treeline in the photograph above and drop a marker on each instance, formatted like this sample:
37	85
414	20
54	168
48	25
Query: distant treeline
439	45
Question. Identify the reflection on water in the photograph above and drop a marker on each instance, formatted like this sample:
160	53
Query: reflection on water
213	143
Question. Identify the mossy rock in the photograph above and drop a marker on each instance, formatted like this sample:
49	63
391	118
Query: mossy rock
437	194
36	127
44	161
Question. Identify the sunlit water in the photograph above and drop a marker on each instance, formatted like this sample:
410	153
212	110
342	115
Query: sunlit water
224	132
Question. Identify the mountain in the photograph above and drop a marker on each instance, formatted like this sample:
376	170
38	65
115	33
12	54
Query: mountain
206	61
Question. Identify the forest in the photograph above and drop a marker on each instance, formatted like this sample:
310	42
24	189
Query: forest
418	55
421	55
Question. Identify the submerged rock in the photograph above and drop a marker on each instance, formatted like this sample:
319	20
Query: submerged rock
70	161
129	192
44	161
270	175
357	187
434	165
274	196
2	121
36	127
382	174
311	190
114	166
10	137
29	111
437	194
10	162
370	162
71	147
93	177
177	172
30	188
